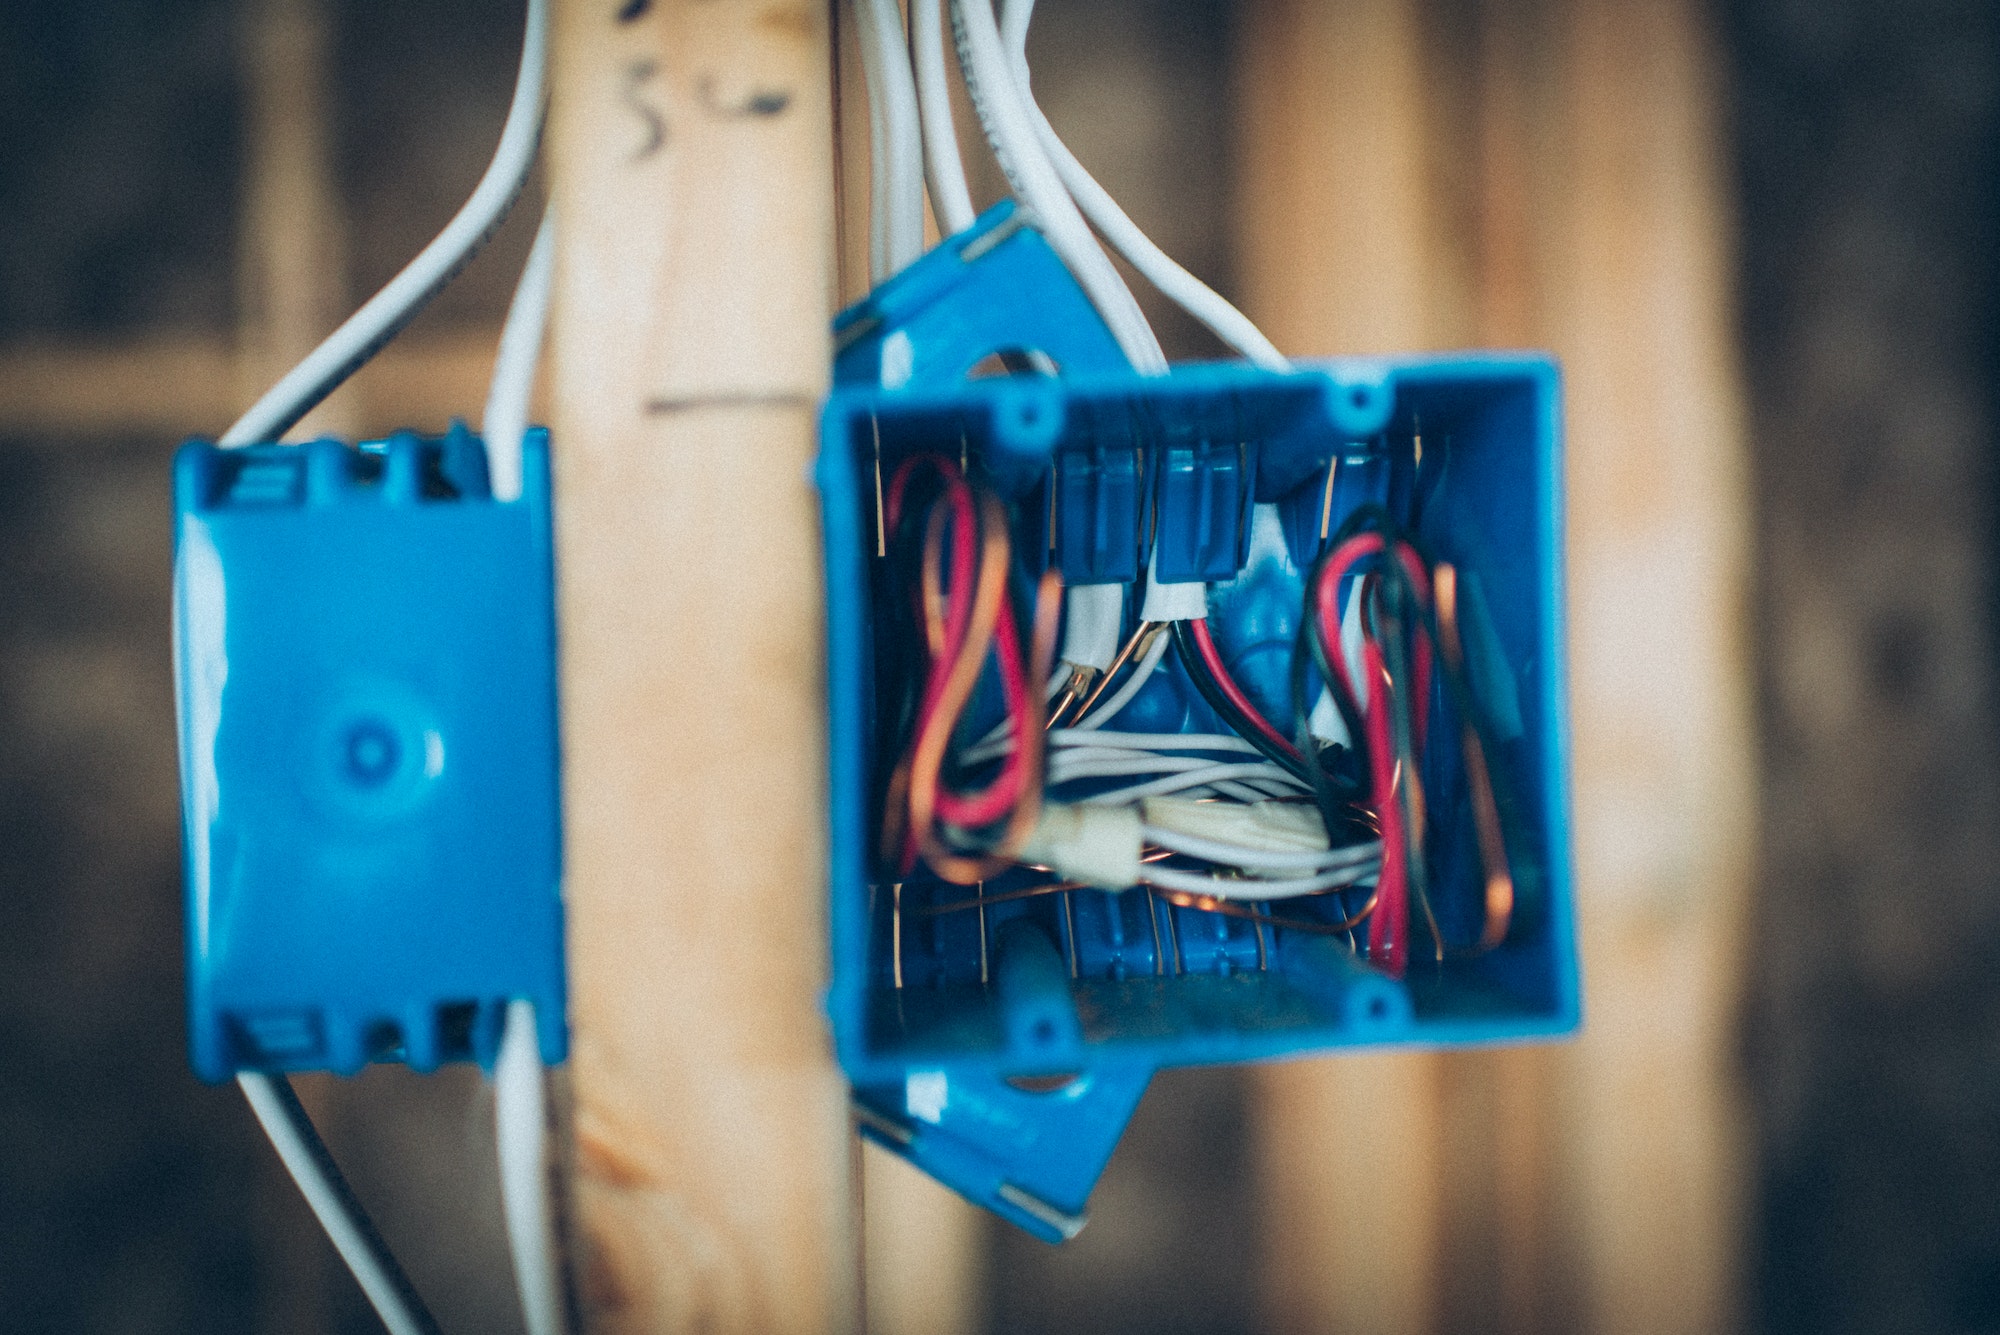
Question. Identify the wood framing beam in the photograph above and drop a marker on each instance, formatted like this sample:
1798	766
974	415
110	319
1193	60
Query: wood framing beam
1424	173
692	181
175	386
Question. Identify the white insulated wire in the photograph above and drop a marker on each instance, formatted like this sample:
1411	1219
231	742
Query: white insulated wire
1152	741
878	153
951	200
1141	674
520	1123
1269	859
1194	778
513	387
1254	891
1070	743
365	331
990	79
1116	767
347	1226
896	201
1175	283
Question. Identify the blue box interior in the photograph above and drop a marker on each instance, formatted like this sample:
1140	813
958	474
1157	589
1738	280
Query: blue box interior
1465	450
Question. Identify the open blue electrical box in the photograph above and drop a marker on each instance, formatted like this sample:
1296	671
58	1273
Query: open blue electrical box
365	665
1003	1050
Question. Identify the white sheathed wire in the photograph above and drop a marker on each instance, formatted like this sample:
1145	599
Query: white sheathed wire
1195	883
1092	617
347	1226
1237	855
1141	674
520	1122
1159	268
990	80
513	387
1064	742
1182	782
1113	767
365	331
951	200
896	204
1237	792
878	153
1152	741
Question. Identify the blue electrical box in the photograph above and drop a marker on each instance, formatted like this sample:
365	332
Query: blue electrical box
1003	1050
365	666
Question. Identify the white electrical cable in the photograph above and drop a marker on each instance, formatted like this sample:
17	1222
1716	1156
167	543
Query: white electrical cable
990	80
347	1225
1083	753
1236	855
1133	684
1159	268
1255	890
878	153
520	1123
1069	742
513	387
365	331
1063	771
1177	783
1236	791
1152	741
896	202
951	200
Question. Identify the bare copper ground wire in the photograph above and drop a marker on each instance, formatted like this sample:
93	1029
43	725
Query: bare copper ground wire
1499	899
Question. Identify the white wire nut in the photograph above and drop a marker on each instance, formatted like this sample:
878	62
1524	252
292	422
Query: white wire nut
1096	845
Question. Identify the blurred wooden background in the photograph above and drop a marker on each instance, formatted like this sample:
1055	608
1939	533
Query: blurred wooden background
194	191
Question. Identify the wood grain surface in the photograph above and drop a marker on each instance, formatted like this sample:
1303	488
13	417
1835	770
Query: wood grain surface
690	172
1451	173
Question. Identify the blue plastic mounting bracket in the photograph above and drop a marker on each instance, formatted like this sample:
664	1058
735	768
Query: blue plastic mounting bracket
994	289
365	666
1028	1151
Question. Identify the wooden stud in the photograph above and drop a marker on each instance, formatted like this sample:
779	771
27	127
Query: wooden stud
1336	248
690	170
1637	277
1588	1186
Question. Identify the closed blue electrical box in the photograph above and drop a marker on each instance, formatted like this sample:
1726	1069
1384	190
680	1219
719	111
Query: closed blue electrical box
365	664
1003	1048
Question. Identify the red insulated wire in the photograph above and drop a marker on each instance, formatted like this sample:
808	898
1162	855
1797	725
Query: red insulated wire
1211	658
998	797
990	803
1327	597
1388	926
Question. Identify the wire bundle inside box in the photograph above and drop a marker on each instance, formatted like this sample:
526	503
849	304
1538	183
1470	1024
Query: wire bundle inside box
1187	722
